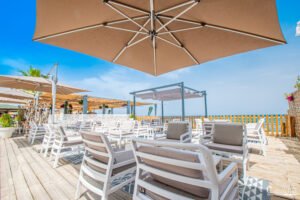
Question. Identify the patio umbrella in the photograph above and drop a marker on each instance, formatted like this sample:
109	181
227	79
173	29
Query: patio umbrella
38	84
158	36
11	100
15	94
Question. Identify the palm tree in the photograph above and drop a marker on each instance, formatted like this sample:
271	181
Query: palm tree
33	72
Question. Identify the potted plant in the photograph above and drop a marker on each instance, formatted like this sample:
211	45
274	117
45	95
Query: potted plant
6	129
289	97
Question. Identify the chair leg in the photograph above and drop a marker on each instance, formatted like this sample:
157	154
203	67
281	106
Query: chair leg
78	188
57	155
245	171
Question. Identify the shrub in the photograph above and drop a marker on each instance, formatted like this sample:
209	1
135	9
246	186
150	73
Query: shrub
5	120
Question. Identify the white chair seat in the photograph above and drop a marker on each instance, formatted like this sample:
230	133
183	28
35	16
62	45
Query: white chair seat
225	147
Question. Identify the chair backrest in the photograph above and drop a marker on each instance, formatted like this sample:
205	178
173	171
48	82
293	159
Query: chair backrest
229	133
186	167
199	123
259	124
176	129
127	125
98	152
207	128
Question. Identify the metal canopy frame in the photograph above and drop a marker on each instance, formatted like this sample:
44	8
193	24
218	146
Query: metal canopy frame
154	33
182	88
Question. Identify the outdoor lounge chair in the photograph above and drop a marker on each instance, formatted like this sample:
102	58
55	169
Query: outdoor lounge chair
48	139
103	170
35	132
123	133
256	136
64	144
229	140
179	131
168	170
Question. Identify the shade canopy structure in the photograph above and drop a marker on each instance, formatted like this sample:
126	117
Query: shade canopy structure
36	84
15	94
93	103
148	35
172	92
40	84
13	101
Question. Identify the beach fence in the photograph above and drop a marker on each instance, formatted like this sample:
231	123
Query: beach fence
275	124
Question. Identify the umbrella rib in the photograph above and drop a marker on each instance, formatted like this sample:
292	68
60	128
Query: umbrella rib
138	41
244	33
129	7
175	7
177	16
87	28
169	42
124	15
125	47
180	20
225	29
180	30
179	43
130	45
124	29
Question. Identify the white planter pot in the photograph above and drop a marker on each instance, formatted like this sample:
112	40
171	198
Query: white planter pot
6	132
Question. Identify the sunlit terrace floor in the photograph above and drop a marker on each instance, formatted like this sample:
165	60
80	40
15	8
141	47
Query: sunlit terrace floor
25	174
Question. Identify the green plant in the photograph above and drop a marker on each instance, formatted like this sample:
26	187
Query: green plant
132	116
5	120
297	85
33	72
20	116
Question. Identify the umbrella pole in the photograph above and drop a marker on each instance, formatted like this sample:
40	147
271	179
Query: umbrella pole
53	79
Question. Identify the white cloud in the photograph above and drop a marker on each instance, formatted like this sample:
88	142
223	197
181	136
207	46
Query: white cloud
18	64
116	83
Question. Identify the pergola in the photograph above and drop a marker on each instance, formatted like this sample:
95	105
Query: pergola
177	91
89	102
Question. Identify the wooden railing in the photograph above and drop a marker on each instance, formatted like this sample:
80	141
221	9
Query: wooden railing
275	125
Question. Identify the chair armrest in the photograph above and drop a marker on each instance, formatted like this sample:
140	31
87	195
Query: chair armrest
206	138
124	158
185	137
227	172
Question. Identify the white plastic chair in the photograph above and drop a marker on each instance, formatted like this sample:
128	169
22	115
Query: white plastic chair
168	170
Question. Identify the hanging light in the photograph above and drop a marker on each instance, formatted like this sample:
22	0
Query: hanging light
298	29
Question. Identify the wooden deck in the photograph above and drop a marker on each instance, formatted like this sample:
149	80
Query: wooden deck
25	174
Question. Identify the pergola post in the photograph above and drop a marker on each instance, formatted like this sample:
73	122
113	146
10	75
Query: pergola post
134	105
103	109
128	108
182	101
85	104
162	112
205	103
155	109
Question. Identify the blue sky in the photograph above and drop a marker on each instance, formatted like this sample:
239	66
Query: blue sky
249	83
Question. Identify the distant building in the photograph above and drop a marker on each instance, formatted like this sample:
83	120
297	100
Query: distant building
298	29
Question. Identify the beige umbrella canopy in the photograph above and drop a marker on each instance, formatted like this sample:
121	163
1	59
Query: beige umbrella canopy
11	100
36	84
158	36
15	94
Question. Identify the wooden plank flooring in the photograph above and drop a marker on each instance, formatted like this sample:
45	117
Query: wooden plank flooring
26	174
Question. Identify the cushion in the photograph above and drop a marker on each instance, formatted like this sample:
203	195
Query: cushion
225	147
179	155
175	130
229	134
